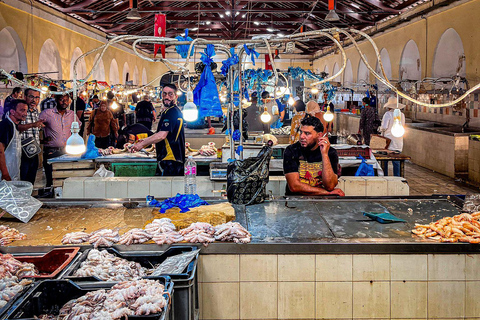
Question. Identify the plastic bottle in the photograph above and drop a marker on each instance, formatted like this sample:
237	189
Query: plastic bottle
190	176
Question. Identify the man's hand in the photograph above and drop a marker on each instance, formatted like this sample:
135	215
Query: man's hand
324	144
137	146
337	192
39	124
6	177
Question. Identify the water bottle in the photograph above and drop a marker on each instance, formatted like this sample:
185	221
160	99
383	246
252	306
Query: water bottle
190	176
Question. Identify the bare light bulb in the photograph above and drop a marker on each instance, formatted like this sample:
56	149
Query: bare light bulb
397	129
190	112
314	90
44	89
291	101
84	93
265	117
115	105
75	144
328	116
179	93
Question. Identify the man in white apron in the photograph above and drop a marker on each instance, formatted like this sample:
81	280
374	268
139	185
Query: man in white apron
10	141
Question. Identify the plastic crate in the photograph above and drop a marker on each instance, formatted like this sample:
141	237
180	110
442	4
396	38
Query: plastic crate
52	263
49	296
278	153
354	152
186	284
134	169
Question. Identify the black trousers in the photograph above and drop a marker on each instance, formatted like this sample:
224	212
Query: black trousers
169	168
28	168
49	153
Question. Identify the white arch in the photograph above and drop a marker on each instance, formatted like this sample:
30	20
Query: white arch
49	60
81	66
144	77
387	66
362	71
12	53
135	76
114	75
126	69
99	73
348	73
336	68
449	56
410	67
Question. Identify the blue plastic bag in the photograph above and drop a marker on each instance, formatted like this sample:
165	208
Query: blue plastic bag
365	169
183	49
92	151
205	94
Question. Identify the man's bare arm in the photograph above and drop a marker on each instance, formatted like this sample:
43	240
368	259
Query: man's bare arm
296	186
3	164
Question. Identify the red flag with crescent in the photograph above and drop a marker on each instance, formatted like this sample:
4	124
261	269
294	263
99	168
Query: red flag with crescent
160	31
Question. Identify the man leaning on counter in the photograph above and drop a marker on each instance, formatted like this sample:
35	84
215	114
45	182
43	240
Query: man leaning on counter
310	165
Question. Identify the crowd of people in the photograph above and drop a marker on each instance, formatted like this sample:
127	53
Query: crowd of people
27	121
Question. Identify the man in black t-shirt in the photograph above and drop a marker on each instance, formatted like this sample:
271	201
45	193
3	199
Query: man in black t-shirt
145	112
310	165
80	108
170	136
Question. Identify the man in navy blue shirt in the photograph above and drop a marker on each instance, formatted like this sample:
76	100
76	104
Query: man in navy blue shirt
170	136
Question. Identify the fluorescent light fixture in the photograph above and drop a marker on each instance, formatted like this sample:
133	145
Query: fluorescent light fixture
237	13
244	15
221	15
256	23
227	13
194	29
280	35
270	29
208	22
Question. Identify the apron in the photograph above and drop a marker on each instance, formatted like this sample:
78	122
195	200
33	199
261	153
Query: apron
13	153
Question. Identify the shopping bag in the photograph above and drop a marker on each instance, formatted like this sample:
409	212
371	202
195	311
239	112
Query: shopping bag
365	169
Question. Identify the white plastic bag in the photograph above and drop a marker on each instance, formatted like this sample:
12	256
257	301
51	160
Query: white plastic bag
18	203
103	173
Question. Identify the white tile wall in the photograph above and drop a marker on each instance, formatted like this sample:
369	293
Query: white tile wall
164	187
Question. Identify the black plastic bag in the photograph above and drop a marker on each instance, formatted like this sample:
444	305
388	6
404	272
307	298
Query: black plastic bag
247	179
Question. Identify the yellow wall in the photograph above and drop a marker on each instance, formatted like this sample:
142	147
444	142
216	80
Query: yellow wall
463	18
34	31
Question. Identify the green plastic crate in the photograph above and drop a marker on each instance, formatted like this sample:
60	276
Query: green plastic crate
134	169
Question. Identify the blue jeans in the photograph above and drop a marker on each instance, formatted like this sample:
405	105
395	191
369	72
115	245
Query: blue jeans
396	168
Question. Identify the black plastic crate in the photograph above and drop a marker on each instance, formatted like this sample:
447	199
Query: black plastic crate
185	284
11	302
49	296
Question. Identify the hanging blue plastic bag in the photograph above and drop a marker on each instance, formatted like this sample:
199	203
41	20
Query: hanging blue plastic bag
92	151
183	49
365	169
205	94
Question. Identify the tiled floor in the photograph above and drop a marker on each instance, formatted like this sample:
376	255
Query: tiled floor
421	181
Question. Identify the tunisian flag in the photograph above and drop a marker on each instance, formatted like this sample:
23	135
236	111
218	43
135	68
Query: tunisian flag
160	28
268	63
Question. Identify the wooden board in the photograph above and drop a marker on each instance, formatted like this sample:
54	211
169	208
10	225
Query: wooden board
73	165
72	173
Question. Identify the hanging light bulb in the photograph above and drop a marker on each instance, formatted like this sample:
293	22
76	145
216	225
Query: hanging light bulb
179	93
328	116
44	89
314	90
115	105
223	99
75	144
397	129
265	117
291	101
84	93
190	112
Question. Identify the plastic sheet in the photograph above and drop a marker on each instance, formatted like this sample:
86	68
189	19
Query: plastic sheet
205	94
182	201
247	179
175	264
251	53
17	203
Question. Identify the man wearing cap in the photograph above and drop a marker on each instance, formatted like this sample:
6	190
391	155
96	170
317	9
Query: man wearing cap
396	144
310	165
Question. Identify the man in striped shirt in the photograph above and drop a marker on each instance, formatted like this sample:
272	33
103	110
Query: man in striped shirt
49	103
30	128
57	122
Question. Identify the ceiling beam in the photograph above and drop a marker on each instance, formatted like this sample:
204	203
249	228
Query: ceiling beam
380	5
